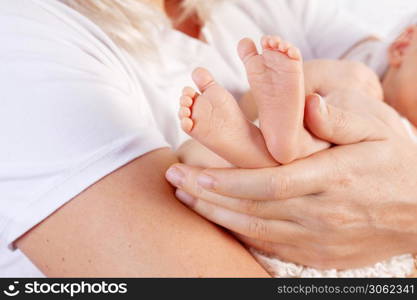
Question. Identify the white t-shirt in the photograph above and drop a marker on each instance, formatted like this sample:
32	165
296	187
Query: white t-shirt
75	107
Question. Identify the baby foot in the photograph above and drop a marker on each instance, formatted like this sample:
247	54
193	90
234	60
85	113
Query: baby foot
214	119
277	81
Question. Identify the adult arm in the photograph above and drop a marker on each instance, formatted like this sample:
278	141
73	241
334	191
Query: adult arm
82	184
129	224
328	210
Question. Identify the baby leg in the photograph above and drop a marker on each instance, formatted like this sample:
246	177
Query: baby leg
277	82
214	119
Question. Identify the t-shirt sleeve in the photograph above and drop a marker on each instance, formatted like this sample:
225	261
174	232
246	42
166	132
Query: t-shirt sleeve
71	113
329	30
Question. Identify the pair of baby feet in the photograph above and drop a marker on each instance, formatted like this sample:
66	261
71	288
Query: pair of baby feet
276	77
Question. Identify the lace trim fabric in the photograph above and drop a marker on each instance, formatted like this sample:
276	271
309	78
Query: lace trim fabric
396	267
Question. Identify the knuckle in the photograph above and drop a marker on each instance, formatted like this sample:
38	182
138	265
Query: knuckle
334	217
196	189
252	207
279	187
345	182
341	172
258	229
200	207
332	220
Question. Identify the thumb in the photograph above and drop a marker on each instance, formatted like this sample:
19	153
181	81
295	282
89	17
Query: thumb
341	127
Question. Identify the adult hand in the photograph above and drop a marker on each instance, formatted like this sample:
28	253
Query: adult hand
345	207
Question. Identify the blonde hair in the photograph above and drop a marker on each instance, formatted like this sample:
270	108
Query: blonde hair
131	23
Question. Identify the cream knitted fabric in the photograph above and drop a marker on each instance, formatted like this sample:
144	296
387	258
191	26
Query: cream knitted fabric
398	266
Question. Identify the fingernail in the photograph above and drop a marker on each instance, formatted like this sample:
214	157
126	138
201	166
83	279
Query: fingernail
323	105
175	176
206	182
184	197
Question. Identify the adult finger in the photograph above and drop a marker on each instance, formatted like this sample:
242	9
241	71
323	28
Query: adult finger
253	227
285	252
295	180
341	127
287	210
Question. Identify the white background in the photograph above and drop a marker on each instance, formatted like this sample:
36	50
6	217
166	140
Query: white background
380	15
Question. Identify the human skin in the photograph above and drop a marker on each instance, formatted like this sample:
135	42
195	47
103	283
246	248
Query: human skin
215	120
115	236
360	91
325	211
399	81
129	224
383	111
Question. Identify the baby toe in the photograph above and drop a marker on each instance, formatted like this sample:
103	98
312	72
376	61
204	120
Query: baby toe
184	112
187	124
203	79
274	42
294	53
189	91
265	41
284	46
186	101
247	49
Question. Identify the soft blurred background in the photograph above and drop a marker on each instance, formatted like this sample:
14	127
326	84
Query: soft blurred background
381	15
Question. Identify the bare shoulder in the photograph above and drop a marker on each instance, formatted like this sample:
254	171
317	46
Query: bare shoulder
130	225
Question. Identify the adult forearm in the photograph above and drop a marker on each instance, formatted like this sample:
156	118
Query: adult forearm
130	225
